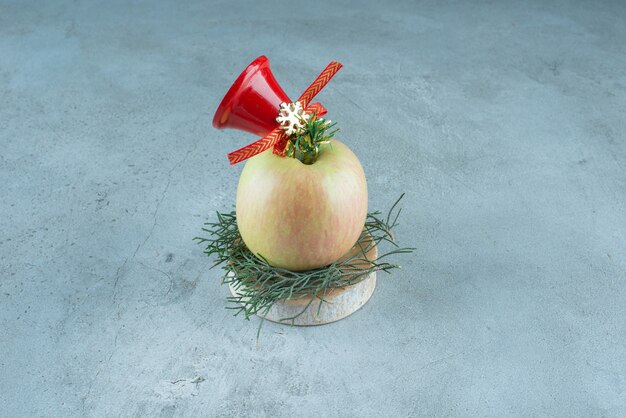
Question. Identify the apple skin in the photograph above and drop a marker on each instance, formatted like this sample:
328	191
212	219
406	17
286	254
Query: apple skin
301	217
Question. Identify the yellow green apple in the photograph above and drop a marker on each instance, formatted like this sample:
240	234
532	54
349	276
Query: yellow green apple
302	216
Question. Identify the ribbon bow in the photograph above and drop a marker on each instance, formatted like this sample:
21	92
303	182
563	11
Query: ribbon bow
277	138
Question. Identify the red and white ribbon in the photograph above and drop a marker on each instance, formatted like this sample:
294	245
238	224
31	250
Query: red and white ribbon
277	138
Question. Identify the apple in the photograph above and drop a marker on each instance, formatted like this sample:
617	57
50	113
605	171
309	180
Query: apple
302	216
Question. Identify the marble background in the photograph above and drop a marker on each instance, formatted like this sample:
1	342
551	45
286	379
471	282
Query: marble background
502	121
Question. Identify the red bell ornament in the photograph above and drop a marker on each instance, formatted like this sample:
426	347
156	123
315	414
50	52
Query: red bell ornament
253	101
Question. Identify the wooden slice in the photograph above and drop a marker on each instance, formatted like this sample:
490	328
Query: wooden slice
339	302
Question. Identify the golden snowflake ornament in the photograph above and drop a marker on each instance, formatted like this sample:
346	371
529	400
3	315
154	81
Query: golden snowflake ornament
291	118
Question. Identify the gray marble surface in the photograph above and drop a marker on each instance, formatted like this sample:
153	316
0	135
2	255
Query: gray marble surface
502	121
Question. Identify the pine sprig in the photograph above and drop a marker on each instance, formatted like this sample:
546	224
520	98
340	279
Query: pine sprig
260	284
305	145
